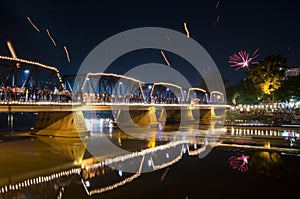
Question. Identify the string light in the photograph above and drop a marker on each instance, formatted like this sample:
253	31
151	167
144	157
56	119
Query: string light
35	64
166	84
88	75
38	180
179	157
116	185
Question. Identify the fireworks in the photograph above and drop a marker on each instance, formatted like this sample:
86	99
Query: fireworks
239	162
49	35
163	54
33	25
242	59
67	53
186	30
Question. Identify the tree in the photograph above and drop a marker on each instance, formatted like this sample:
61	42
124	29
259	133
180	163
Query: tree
289	90
243	93
268	75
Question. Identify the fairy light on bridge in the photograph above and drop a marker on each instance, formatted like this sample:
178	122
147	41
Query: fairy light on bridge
219	95
136	154
88	75
78	171
196	89
116	185
39	180
167	84
157	167
142	154
35	64
138	173
196	152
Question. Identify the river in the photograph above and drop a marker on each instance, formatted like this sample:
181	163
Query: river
192	162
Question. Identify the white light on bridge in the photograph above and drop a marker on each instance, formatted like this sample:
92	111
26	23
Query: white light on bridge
149	163
87	184
120	173
26	71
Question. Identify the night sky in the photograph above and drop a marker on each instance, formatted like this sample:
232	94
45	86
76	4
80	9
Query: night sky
273	26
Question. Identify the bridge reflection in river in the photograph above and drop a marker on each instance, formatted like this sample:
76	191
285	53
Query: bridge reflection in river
49	167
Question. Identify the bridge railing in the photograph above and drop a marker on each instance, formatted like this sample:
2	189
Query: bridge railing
46	95
33	95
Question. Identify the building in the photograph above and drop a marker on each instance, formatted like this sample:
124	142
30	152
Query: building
290	72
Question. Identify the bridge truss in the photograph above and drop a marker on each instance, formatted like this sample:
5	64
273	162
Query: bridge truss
21	73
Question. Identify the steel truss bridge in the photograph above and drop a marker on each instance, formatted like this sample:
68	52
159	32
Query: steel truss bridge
28	86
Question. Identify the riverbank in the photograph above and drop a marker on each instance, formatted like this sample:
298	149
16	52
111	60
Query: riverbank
268	118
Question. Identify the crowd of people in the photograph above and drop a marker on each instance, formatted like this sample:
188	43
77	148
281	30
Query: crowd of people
92	97
55	95
34	95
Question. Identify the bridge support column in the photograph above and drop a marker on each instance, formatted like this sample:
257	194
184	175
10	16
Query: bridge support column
61	124
176	116
206	115
187	116
137	117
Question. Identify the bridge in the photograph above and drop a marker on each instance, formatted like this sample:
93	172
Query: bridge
28	86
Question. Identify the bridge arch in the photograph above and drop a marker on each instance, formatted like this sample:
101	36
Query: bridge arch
217	97
114	87
31	68
163	92
199	95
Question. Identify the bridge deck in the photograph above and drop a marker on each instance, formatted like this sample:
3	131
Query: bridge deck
61	107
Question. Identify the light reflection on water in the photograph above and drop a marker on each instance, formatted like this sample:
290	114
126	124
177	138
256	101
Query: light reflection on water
96	175
264	132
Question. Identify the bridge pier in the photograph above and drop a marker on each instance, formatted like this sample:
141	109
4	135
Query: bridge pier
168	116
176	116
61	124
137	117
206	115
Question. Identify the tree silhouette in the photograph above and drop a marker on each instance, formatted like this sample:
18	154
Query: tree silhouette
289	89
268	74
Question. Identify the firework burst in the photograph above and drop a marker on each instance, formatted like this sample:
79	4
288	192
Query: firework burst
242	59
239	163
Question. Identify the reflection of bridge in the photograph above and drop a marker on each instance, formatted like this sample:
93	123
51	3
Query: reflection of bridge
27	88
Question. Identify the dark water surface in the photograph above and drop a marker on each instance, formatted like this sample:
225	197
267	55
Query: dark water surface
182	164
